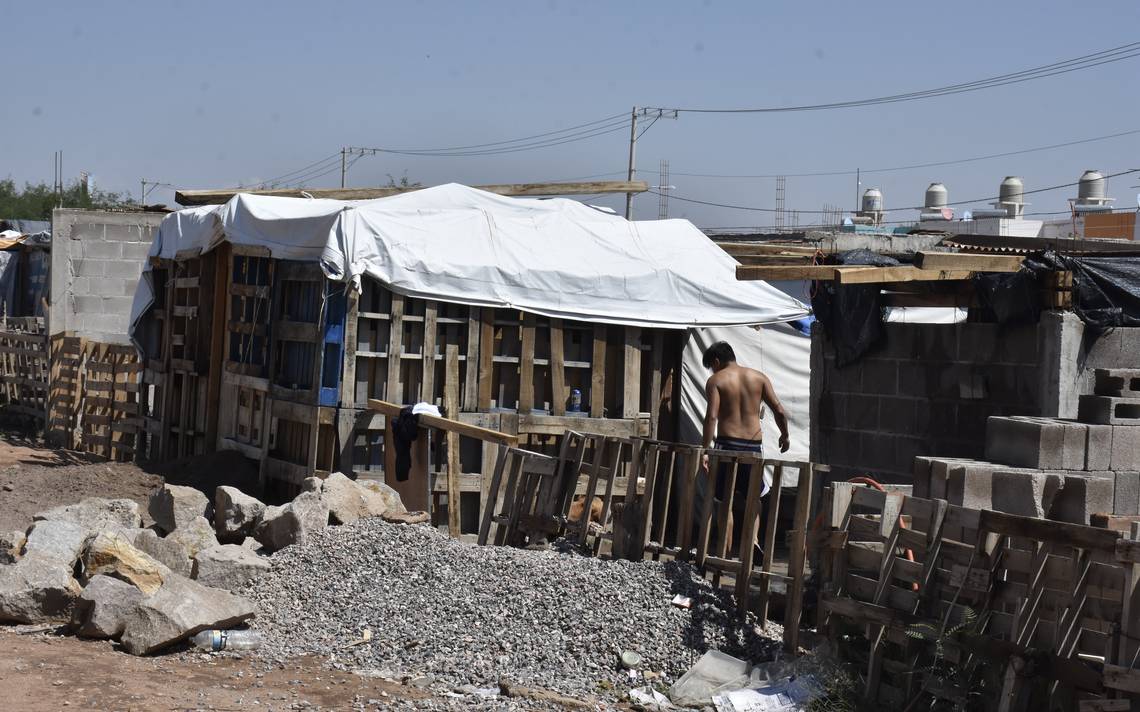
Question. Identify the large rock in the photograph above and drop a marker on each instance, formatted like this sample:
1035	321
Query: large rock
110	553
236	514
346	501
292	523
177	611
173	507
381	498
11	544
37	589
228	566
96	514
194	536
169	551
59	541
101	610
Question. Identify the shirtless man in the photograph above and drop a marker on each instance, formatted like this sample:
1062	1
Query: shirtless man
736	398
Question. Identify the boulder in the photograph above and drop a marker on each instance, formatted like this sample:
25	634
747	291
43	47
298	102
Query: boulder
236	514
312	484
102	609
11	543
346	502
55	540
380	497
228	566
177	611
96	514
173	507
406	517
293	522
193	536
37	589
110	554
168	551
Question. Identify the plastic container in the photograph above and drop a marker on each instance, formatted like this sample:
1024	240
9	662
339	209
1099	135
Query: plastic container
575	401
228	640
712	674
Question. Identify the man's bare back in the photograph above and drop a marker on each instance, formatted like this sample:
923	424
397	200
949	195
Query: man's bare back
736	398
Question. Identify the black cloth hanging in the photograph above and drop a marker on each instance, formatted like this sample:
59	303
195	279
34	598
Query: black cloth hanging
406	429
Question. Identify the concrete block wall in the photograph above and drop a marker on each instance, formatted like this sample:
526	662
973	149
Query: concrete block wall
96	260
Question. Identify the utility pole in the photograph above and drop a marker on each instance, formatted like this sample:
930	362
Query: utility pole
632	153
343	166
142	193
858	186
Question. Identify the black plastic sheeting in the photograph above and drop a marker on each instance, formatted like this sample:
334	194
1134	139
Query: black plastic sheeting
852	313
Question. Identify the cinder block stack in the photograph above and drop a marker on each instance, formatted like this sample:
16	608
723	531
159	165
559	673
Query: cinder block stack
1050	467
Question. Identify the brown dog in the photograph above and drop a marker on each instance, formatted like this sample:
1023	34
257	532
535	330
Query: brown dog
579	504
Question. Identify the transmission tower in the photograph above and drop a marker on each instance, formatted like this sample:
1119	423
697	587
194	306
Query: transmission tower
663	192
780	182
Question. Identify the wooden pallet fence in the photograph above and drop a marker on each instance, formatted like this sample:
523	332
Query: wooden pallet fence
671	513
24	369
954	605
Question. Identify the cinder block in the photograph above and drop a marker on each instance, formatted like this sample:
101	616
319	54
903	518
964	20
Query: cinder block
970	485
1083	495
128	287
124	269
1125	454
86	305
1126	499
1098	448
1024	492
940	474
88	268
1118	382
135	250
1106	410
1021	441
922	465
117	306
106	287
101	250
129	233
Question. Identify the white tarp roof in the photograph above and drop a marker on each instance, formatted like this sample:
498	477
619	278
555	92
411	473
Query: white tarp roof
452	243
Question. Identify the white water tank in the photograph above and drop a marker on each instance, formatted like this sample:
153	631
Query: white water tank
936	197
1012	191
1092	189
872	201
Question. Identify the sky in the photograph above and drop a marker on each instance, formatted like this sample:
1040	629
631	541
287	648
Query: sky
235	93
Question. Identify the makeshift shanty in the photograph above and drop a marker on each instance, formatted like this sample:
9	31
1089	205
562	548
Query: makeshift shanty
266	324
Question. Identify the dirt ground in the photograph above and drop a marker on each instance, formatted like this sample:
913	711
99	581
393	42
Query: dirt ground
42	671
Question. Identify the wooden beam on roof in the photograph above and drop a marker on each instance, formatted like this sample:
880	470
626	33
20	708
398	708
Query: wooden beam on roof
902	273
968	261
737	249
218	196
777	274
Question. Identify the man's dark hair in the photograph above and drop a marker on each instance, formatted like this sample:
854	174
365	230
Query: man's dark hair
719	351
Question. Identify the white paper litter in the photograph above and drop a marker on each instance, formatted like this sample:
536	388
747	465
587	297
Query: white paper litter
788	695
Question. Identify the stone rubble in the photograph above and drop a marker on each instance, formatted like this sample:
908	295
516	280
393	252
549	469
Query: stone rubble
471	615
173	507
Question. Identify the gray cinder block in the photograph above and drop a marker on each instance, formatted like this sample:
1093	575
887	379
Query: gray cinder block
1083	495
1106	410
1125	451
1039	443
1126	499
1025	493
1118	382
1098	448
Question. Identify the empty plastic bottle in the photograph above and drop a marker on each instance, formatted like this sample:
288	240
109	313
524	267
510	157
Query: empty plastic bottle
227	640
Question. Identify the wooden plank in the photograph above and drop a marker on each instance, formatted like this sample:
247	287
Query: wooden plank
471	369
968	262
218	196
749	529
1121	678
905	273
1049	531
430	421
780	274
631	379
493	496
558	424
486	357
296	331
797	557
598	374
655	395
526	366
427	382
1129	644
558	394
451	404
394	391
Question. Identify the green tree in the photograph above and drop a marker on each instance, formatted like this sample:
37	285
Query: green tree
36	200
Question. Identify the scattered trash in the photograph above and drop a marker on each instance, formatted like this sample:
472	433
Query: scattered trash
789	695
227	640
630	660
713	673
650	698
365	637
682	601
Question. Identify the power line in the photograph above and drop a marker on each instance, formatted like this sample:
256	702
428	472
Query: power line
524	138
1115	54
299	170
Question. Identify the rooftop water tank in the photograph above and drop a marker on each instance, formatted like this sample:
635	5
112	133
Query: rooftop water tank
936	197
873	201
1012	190
1092	188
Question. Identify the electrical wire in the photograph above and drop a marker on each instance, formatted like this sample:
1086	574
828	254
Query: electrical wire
546	143
300	170
1107	56
524	138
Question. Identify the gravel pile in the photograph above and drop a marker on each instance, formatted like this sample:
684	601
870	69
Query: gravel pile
460	614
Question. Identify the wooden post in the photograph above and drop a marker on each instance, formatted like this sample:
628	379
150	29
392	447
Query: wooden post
471	370
655	383
486	356
451	404
557	368
427	387
748	532
526	366
770	541
796	558
631	382
348	372
598	374
395	349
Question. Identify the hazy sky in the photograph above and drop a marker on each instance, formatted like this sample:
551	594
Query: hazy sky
219	94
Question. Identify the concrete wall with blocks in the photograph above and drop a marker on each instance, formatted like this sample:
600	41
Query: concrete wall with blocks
96	260
930	388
